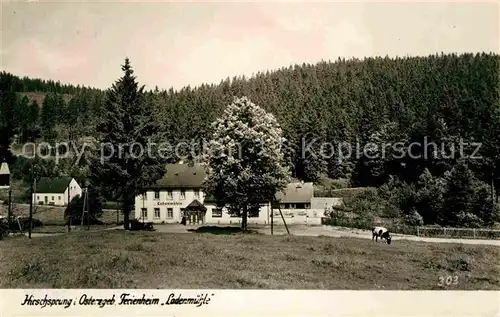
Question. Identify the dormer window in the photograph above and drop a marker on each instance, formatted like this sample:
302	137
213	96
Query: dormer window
183	194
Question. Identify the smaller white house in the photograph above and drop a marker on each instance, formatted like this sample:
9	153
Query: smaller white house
299	206
58	191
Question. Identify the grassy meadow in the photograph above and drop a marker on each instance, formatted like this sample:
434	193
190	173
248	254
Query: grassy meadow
119	259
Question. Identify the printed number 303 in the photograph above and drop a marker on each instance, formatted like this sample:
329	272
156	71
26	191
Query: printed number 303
448	280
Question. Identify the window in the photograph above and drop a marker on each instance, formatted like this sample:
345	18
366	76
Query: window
170	213
169	194
59	197
157	213
52	197
183	194
196	194
144	213
157	195
37	197
217	213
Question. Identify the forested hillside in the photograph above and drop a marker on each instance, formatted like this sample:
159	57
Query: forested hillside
446	99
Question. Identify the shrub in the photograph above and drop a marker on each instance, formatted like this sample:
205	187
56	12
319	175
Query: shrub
467	219
136	225
413	218
467	201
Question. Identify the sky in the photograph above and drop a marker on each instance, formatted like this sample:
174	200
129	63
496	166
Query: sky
178	44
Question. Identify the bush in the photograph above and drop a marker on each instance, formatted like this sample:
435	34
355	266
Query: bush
75	207
3	229
136	225
413	219
469	220
467	201
25	223
78	221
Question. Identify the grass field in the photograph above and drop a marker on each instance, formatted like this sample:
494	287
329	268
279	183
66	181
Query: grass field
119	259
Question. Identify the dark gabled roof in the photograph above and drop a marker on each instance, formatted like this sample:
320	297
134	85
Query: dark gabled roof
180	176
296	193
55	185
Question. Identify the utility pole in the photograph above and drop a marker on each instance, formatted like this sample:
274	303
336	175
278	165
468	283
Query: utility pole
32	191
86	207
283	218
272	217
9	212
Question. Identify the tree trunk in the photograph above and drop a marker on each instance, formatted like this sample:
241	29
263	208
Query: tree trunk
244	217
128	206
493	191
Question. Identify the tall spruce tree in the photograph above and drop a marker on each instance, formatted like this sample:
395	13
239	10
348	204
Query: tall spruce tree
48	117
33	121
128	124
8	101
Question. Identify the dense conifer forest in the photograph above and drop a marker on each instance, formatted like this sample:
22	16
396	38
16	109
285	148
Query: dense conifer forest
447	99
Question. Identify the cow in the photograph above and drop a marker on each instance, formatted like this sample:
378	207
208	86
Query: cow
382	233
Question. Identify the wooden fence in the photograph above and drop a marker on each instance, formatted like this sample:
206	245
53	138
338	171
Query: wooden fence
432	232
475	233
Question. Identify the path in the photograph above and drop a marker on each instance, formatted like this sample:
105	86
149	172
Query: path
365	234
337	232
313	231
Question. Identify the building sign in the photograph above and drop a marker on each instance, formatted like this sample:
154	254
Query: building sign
169	203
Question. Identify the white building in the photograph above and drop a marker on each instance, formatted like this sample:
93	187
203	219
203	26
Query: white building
180	189
57	191
299	206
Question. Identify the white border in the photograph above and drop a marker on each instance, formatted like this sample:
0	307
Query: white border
288	303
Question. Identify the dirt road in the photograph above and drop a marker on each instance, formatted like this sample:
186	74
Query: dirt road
336	232
329	231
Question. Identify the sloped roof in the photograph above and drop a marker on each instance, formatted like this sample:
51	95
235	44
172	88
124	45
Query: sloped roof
55	185
196	205
296	193
182	176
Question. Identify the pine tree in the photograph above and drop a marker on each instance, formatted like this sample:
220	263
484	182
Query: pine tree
33	121
467	201
118	166
8	101
48	117
21	118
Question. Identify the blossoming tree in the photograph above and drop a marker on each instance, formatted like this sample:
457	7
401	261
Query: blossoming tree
245	163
